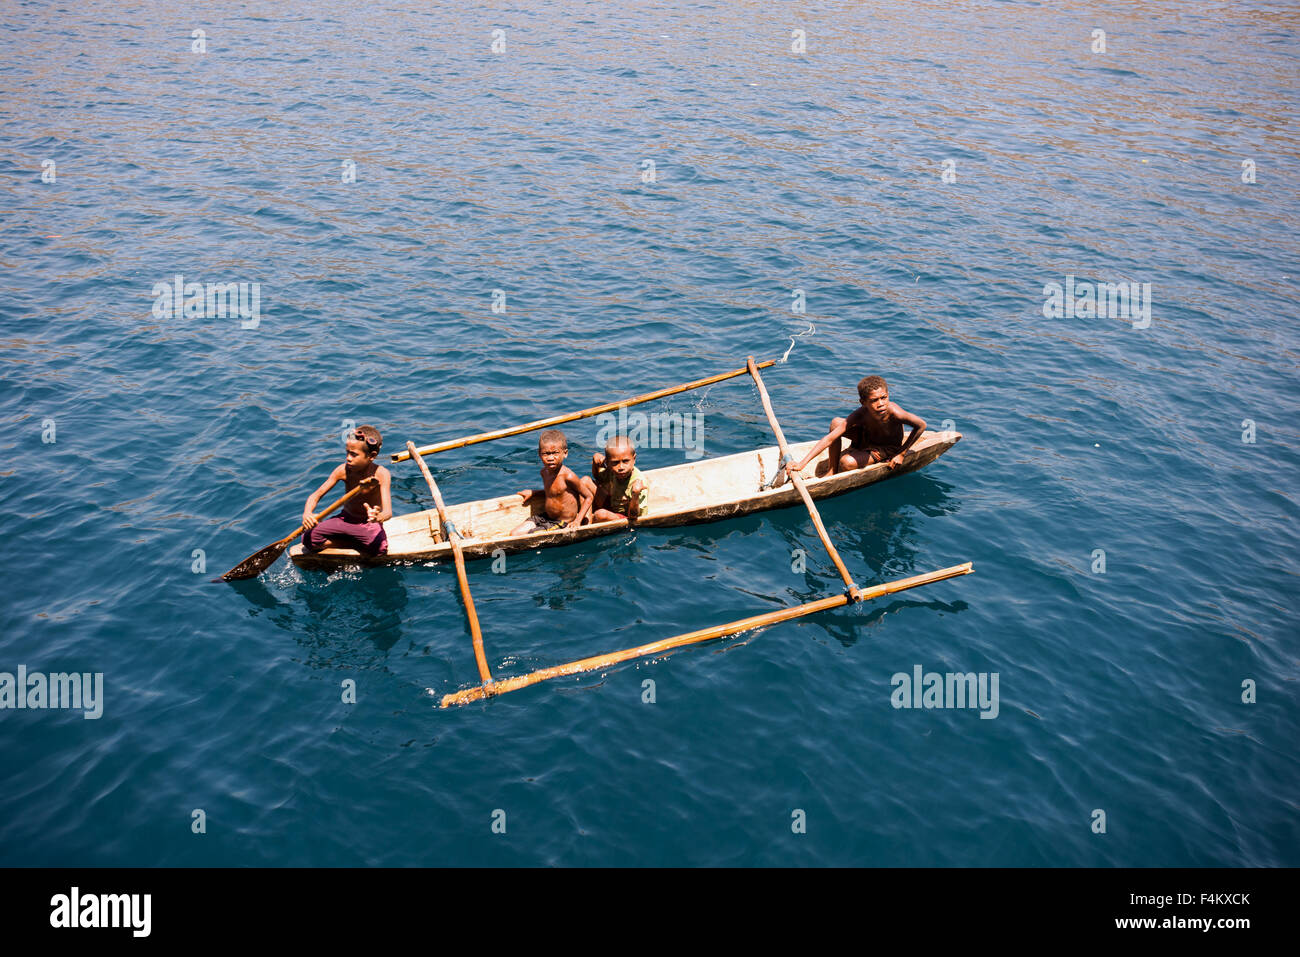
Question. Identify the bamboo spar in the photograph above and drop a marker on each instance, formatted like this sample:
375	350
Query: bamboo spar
504	685
479	656
798	482
570	417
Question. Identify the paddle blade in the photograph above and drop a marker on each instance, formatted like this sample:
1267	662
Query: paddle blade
256	563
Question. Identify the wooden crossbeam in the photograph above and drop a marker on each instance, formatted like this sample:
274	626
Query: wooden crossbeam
799	483
479	655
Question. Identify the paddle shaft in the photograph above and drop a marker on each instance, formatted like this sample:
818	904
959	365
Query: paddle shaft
260	560
503	685
585	413
798	481
479	655
364	485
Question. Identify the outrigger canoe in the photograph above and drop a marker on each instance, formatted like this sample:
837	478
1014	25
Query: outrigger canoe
709	490
693	492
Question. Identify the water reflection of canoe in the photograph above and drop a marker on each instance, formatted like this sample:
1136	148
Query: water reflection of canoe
691	493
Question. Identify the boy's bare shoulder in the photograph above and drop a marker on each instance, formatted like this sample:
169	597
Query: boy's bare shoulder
383	474
898	412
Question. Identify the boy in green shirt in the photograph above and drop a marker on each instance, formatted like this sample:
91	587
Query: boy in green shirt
618	488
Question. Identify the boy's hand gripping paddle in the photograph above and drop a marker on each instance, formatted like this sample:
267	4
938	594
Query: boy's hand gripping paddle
258	562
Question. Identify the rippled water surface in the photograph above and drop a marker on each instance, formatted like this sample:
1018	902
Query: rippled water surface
524	171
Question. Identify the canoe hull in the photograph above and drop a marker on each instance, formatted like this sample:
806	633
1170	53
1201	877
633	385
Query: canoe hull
710	490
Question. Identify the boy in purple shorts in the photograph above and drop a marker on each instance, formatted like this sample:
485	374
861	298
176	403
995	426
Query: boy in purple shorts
360	526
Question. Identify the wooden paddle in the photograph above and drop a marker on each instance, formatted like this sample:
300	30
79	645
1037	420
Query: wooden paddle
258	562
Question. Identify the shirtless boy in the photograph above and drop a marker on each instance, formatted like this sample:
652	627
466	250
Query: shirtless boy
360	525
566	500
617	487
874	431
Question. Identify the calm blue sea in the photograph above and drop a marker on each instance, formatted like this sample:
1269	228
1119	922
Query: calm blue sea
648	187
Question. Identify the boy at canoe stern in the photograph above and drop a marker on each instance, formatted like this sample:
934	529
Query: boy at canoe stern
874	431
617	487
360	525
567	501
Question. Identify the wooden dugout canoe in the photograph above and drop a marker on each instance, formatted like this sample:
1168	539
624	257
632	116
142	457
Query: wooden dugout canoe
708	490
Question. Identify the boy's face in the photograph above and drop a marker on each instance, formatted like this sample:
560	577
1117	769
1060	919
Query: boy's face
878	402
551	453
359	454
620	459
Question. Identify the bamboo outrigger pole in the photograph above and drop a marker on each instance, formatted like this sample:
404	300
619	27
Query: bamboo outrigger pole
585	413
450	534
799	484
706	634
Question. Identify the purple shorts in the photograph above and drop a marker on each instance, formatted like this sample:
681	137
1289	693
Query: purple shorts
366	537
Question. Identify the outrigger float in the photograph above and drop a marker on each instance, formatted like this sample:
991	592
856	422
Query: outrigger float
695	492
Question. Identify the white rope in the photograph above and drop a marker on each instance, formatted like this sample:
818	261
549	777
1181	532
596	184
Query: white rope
810	330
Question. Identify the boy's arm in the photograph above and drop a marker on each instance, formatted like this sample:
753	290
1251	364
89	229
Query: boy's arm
918	426
385	509
816	450
634	498
307	519
577	488
528	493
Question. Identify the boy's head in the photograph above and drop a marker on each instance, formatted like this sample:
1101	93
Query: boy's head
870	384
874	395
620	457
363	445
552	447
